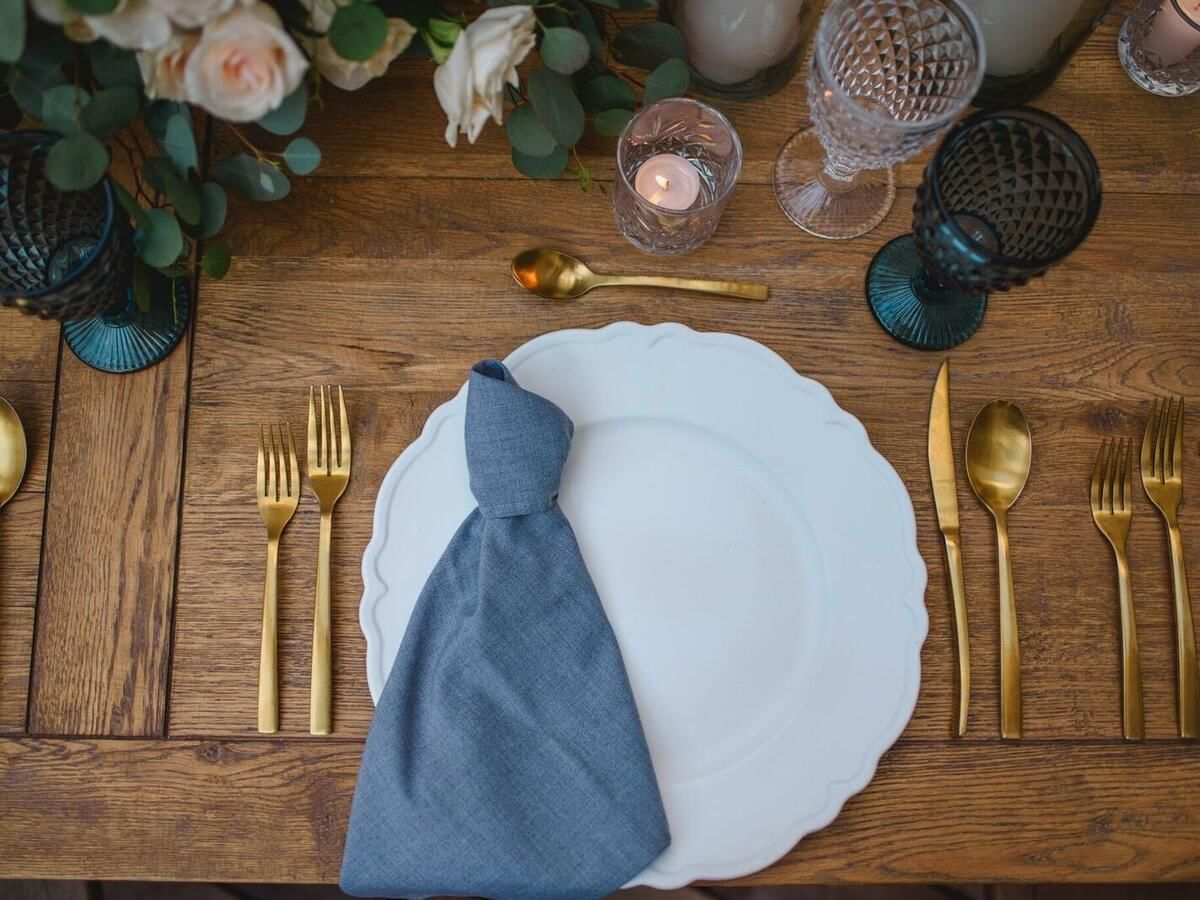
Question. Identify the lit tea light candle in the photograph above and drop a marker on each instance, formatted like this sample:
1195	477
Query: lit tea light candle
669	181
1175	31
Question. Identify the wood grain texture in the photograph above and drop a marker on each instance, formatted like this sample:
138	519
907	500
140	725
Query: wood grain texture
254	810
104	611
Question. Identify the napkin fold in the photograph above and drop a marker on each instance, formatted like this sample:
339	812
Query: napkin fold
506	758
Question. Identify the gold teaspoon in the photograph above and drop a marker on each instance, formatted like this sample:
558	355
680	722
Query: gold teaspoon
999	451
556	275
13	452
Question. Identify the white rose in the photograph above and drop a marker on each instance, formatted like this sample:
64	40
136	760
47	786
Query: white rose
320	12
194	13
244	65
470	83
163	68
133	24
350	75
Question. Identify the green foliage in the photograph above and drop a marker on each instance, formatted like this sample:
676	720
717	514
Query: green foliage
110	110
160	173
179	143
565	50
527	134
288	118
212	209
648	45
607	92
668	80
557	105
358	30
12	30
114	67
76	162
302	156
216	259
61	107
250	177
612	122
161	241
550	166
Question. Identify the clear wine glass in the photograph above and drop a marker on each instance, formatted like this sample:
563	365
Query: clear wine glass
886	78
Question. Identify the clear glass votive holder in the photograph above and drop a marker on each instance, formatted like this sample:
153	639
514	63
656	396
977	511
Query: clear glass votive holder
696	156
1159	46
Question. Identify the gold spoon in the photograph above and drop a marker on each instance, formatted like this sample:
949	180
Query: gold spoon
13	453
556	275
999	451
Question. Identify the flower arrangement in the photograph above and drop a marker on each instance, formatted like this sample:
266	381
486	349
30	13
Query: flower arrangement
122	81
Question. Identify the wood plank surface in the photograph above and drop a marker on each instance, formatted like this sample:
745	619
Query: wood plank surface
255	810
104	611
386	272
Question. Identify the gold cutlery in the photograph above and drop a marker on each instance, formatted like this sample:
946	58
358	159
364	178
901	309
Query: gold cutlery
278	495
945	498
999	451
14	453
328	473
556	275
1162	478
1112	510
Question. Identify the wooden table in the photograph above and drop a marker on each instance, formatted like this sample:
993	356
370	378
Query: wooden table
132	559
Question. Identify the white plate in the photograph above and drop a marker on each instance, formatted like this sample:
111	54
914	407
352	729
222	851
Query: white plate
755	555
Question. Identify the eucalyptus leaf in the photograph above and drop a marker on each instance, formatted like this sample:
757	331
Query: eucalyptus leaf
590	25
158	113
12	30
668	80
28	85
251	178
550	166
553	97
130	205
160	173
302	156
288	118
565	50
160	243
648	45
76	162
527	134
357	31
216	259
62	106
111	110
92	7
213	205
114	67
179	143
143	285
607	92
611	122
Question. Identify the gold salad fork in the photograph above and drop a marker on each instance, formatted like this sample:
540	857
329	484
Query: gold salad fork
328	473
278	495
1162	477
1112	510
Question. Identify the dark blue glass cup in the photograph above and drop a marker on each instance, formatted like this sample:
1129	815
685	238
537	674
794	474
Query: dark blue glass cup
1009	193
68	256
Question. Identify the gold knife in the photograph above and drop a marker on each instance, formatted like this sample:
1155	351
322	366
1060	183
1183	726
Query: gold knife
945	497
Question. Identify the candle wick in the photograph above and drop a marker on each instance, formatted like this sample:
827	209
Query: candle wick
663	182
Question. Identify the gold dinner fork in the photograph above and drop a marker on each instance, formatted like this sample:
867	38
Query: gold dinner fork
278	494
1162	477
1112	510
328	473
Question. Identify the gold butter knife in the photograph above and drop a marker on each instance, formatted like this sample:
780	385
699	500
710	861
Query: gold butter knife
945	498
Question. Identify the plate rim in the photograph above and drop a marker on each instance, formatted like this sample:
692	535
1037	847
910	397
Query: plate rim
837	792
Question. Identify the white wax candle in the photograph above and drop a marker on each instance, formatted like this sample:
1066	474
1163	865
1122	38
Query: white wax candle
1172	36
732	40
668	181
1018	33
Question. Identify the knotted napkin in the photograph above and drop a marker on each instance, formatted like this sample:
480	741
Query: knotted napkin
506	758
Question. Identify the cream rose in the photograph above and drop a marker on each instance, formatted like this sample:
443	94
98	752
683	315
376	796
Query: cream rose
194	13
350	75
162	69
133	24
470	83
244	64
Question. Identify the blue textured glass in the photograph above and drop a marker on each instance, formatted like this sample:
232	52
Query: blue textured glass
1009	193
68	256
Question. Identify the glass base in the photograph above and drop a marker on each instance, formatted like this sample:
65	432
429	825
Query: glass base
913	311
130	340
822	206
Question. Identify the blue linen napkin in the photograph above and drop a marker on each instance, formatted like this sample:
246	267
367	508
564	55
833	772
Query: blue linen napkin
506	758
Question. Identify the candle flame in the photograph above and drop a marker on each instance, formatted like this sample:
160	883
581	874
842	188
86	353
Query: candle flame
663	182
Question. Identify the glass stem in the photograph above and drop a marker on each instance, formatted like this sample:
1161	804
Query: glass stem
837	177
930	286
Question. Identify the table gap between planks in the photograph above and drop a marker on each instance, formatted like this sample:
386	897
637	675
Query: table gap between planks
132	558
